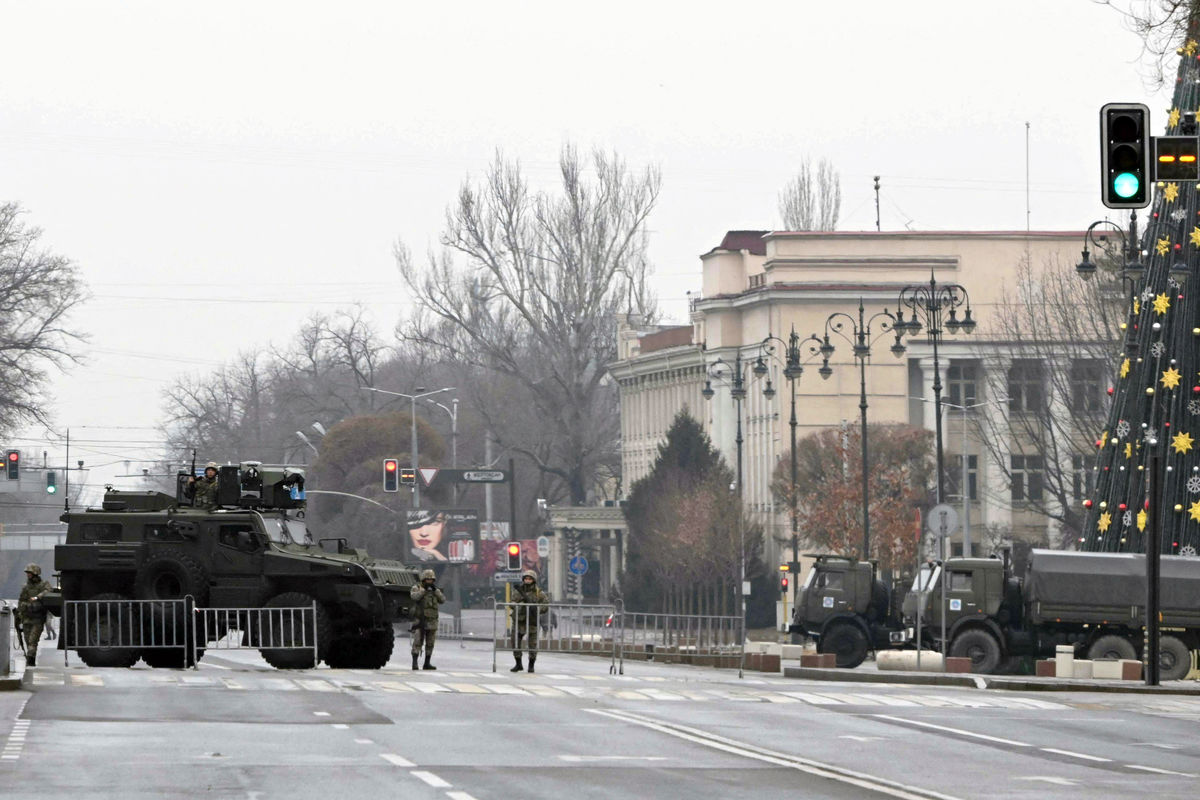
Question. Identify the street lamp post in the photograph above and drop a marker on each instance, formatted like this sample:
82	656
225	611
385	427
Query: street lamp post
452	410
419	394
928	303
860	337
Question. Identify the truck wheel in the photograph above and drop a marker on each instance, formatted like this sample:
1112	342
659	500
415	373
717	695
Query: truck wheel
979	646
1112	646
1174	659
172	574
377	649
286	635
847	643
344	653
367	651
109	627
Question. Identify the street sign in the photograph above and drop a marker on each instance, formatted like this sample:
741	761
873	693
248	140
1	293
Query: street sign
428	474
483	476
543	546
943	520
506	577
578	566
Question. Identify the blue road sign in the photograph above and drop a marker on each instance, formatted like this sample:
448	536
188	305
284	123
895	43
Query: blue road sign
578	565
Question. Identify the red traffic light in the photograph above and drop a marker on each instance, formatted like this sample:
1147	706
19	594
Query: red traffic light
783	584
390	467
13	455
13	464
513	553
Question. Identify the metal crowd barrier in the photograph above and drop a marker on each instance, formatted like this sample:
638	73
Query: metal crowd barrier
558	628
689	639
126	625
290	628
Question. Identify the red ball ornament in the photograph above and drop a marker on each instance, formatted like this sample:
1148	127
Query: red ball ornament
1146	505
1166	424
1196	389
1087	503
1110	389
1122	506
1099	443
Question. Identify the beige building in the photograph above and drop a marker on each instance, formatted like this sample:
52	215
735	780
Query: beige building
758	283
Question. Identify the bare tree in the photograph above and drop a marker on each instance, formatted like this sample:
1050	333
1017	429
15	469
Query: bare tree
1163	25
812	201
38	291
528	287
1060	337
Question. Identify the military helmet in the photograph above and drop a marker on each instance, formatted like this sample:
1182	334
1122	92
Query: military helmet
211	465
35	569
529	574
427	575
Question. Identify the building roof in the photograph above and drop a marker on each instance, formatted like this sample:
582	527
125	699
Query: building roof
744	240
666	337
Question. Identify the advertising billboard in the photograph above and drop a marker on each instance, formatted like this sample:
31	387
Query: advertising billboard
443	535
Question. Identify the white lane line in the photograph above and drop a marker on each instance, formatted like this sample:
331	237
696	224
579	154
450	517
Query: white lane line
1162	771
364	741
320	713
813	699
459	796
431	779
947	729
1073	755
341	726
745	750
392	758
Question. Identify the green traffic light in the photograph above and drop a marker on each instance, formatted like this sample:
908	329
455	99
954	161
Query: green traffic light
51	489
1126	185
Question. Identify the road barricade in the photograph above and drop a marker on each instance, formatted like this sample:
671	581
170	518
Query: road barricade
706	641
557	628
289	628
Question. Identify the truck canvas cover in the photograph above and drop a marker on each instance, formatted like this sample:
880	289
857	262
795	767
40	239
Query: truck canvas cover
1109	587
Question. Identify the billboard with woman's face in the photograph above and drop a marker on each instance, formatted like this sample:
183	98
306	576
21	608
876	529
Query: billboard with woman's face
449	535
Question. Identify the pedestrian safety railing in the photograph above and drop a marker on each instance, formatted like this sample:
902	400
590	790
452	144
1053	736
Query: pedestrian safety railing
160	629
609	630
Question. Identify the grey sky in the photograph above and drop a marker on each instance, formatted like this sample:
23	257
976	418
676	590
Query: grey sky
220	170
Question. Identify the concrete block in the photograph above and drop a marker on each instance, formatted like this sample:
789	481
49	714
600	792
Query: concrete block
957	664
812	660
1082	669
1064	661
1106	669
828	661
1046	668
906	660
768	662
755	647
1131	670
792	651
772	649
753	660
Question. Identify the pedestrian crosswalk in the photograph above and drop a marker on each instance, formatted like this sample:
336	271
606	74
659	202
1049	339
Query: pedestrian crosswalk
616	687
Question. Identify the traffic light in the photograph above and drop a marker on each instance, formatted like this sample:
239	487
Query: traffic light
1125	155
1175	158
390	467
51	482
408	476
13	462
783	583
513	555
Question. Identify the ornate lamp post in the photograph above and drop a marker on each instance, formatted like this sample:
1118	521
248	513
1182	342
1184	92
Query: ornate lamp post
792	370
934	306
861	334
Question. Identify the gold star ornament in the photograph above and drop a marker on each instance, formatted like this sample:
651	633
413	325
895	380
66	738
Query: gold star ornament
1194	511
1182	442
1161	304
1163	245
1170	378
1125	368
1195	236
1128	450
1170	192
1105	520
1189	49
1141	519
1173	118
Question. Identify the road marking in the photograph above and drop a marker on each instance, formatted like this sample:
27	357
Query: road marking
861	780
316	685
629	694
468	688
659	694
393	686
364	741
1048	779
230	683
862	738
459	796
341	726
813	699
320	713
392	758
572	690
612	758
428	688
1073	754
431	779
87	680
504	688
947	729
545	691
1162	771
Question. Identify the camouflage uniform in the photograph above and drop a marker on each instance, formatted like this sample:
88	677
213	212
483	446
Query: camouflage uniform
30	614
424	630
204	492
531	602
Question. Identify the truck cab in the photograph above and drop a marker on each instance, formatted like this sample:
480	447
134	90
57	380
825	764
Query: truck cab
845	607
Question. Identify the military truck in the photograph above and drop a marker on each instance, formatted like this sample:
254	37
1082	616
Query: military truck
848	608
252	550
1093	601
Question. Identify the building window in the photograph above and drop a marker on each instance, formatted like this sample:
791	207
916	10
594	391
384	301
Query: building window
1026	386
1083	477
962	383
954	477
1028	478
1087	386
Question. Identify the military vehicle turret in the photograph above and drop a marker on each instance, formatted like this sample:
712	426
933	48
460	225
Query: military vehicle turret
252	549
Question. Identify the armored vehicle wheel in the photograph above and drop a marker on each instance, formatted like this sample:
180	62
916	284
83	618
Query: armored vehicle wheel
170	657
288	634
848	644
363	651
172	574
1112	646
108	626
344	653
1174	659
377	649
979	646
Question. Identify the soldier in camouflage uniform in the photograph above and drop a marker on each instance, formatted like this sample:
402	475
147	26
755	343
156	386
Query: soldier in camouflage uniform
31	617
530	603
424	629
204	490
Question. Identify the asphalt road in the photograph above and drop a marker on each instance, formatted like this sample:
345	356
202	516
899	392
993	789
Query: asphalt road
236	728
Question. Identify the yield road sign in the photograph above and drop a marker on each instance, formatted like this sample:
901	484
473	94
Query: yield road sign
428	474
578	565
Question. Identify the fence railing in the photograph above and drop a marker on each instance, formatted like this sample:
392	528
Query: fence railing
712	641
257	629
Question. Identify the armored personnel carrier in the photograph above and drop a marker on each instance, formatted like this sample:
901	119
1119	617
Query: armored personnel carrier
252	549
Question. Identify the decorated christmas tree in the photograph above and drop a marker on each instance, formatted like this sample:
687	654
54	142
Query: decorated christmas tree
1155	415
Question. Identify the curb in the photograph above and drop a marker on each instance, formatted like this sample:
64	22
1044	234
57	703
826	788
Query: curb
1019	684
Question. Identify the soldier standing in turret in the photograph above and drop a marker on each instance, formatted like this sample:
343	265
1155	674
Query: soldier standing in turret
31	616
530	603
204	490
424	629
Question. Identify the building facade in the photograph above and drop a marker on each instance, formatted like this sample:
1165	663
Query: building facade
758	284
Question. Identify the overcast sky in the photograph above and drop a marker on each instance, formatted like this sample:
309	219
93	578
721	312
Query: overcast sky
220	170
